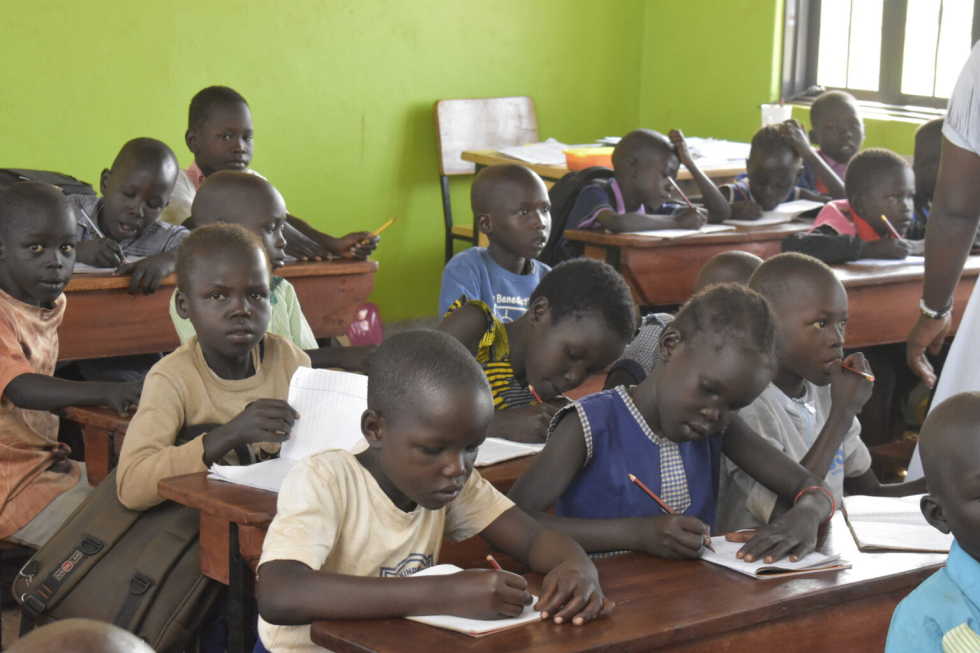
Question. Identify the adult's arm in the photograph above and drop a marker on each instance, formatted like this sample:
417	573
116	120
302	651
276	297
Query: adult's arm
949	235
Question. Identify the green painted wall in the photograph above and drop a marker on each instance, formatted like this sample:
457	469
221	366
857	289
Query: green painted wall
341	95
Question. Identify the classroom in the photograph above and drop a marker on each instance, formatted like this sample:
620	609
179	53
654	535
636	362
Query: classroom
589	348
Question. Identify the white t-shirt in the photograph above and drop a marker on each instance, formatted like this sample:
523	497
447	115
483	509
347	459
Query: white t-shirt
792	425
332	515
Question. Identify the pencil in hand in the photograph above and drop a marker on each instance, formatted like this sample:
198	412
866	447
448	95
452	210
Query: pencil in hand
894	232
680	192
493	561
869	377
664	506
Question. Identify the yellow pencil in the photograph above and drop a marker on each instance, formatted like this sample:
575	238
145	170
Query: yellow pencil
384	226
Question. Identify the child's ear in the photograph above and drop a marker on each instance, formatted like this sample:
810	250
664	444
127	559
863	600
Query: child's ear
933	512
104	181
180	303
539	310
669	341
190	138
483	223
372	426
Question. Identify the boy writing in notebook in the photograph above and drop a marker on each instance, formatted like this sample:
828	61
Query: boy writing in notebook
839	131
252	202
40	486
351	530
222	394
511	206
219	133
578	321
124	221
809	410
880	183
945	609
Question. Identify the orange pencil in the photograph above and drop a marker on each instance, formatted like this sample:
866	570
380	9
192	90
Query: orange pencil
888	224
664	506
493	562
533	392
679	191
851	369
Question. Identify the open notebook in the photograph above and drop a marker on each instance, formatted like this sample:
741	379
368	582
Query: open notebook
683	233
893	523
473	627
85	268
785	212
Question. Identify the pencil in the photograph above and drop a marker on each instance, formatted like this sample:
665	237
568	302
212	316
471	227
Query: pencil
536	396
384	226
493	562
869	377
888	224
663	505
679	191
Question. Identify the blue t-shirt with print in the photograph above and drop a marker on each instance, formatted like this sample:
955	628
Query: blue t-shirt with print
474	273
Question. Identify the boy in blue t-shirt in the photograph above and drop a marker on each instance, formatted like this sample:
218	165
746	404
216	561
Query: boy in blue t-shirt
945	609
512	208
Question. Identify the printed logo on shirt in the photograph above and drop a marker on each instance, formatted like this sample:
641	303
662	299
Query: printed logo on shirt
837	467
412	564
509	308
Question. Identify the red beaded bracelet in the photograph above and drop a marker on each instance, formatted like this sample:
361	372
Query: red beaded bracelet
833	503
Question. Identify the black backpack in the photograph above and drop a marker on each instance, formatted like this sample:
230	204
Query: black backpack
563	196
68	184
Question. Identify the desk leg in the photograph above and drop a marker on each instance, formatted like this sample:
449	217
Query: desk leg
241	597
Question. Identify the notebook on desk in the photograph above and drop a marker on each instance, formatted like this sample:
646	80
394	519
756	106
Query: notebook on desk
785	212
893	523
85	268
683	233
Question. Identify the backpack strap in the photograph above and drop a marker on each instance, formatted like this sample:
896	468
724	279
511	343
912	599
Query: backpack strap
35	602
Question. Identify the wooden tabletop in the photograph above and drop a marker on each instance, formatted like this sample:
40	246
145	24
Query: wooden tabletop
690	606
738	235
103	319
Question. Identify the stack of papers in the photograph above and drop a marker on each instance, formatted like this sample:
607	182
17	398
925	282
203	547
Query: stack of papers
683	233
549	153
473	627
893	523
785	212
888	262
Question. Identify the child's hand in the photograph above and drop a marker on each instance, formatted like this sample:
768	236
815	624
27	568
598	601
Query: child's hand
918	247
358	245
675	537
676	137
691	218
304	248
795	133
486	594
886	248
122	396
147	273
747	210
571	592
793	534
263	420
355	359
849	390
100	253
524	424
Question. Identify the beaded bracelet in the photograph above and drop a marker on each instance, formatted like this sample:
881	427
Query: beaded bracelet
935	315
833	503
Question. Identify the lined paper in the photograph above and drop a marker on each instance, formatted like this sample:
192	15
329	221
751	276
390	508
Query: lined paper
893	523
495	450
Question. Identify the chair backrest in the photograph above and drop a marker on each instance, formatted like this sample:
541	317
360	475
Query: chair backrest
481	124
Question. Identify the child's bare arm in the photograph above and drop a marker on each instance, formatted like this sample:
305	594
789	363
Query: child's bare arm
149	272
795	133
467	324
868	483
314	244
524	424
718	207
626	222
352	359
43	392
540	486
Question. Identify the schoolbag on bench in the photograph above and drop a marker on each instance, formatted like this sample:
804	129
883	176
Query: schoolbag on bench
68	184
136	569
563	196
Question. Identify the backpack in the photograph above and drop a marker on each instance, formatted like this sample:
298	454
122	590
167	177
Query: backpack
563	196
139	570
68	184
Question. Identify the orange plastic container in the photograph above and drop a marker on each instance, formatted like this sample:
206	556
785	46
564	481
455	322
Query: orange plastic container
579	158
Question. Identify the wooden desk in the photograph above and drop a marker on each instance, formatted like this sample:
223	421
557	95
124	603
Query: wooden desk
690	607
661	271
103	319
103	431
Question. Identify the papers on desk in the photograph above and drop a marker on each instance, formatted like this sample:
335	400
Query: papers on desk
707	152
330	405
893	523
888	262
549	153
683	233
85	268
496	450
785	212
473	627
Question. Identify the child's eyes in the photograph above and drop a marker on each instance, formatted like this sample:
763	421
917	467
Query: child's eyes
432	451
224	137
820	324
257	295
67	249
216	295
249	138
36	248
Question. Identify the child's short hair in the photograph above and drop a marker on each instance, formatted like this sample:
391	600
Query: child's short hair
826	100
929	129
768	140
204	101
204	241
948	429
779	276
413	363
867	169
489	181
641	144
733	266
586	286
733	312
20	203
146	151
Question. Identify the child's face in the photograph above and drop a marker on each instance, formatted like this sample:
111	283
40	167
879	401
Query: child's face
894	197
224	141
135	194
426	452
559	357
37	256
810	336
268	226
925	166
839	132
227	301
521	218
700	385
772	177
650	179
